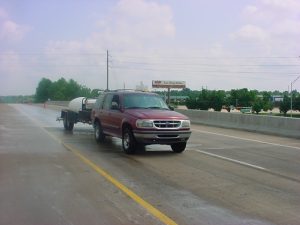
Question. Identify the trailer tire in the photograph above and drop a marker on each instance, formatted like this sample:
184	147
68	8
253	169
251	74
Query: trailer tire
68	125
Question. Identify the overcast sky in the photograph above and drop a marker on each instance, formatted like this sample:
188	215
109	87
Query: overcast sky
212	44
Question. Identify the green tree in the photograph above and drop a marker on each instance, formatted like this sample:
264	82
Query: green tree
258	105
95	93
86	92
206	99
267	106
42	93
296	103
267	101
227	102
203	100
58	90
216	100
285	105
191	103
73	90
242	97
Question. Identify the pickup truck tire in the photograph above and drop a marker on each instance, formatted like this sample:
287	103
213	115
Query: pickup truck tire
68	125
178	147
98	132
128	142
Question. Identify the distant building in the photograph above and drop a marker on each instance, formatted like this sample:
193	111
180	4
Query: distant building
177	99
277	98
141	87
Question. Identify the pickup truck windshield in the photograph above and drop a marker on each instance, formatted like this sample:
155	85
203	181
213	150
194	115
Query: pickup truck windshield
144	101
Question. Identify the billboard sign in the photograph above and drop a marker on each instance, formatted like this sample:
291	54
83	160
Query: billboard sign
168	84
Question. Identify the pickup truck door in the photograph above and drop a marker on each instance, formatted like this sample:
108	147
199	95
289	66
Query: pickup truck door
111	119
104	113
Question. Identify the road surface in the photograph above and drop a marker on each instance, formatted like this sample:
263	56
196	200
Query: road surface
50	176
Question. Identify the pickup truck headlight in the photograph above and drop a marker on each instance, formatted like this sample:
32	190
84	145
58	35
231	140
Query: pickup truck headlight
185	123
144	123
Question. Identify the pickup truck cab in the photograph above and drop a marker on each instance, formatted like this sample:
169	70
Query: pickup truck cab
139	118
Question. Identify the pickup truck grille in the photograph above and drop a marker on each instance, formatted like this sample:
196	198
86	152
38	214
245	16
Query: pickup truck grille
167	123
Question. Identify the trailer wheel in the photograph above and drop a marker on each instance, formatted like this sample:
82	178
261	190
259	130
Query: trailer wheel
98	132
68	125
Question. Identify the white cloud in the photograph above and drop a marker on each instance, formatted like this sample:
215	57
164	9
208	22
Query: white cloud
290	6
273	25
131	26
286	27
9	29
250	10
250	32
143	19
134	24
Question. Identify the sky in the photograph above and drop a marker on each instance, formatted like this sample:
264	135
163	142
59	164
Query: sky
213	44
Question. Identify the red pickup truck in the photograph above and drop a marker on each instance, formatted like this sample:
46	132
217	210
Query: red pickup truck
139	118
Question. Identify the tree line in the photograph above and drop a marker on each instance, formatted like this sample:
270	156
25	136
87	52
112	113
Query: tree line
62	90
241	98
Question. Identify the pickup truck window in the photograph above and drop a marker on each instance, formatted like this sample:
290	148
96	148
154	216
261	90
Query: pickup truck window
115	102
107	101
144	101
99	102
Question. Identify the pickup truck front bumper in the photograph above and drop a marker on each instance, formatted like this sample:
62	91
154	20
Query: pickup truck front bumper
161	137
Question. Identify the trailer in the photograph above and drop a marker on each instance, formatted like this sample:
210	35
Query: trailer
79	110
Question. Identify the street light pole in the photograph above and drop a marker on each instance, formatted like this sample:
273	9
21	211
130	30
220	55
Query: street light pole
292	95
107	70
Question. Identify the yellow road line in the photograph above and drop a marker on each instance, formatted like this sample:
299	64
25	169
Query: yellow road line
155	212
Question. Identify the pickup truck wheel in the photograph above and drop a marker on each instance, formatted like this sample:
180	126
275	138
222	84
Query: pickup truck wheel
68	125
178	147
98	133
128	142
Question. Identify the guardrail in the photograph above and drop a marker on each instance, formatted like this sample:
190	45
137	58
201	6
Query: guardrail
284	126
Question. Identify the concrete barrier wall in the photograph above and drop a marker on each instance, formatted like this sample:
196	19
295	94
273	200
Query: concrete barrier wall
284	126
58	103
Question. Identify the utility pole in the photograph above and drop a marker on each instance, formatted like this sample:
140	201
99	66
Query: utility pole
107	70
292	95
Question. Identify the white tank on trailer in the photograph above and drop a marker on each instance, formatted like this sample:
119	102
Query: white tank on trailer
80	103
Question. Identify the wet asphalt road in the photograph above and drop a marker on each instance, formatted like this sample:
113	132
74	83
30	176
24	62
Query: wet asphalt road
49	176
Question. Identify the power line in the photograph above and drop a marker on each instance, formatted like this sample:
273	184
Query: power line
170	64
201	57
48	53
201	64
208	71
203	71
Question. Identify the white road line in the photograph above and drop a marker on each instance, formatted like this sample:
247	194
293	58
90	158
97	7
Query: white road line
246	139
232	160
